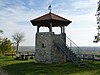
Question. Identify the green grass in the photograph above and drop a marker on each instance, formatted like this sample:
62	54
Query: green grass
28	67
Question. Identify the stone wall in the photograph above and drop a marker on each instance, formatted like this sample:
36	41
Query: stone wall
45	50
57	55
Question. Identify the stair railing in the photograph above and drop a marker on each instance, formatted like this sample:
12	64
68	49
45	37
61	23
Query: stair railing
61	44
73	47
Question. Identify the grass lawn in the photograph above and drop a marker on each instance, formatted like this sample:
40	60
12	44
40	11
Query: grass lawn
28	67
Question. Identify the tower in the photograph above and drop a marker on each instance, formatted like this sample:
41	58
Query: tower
46	50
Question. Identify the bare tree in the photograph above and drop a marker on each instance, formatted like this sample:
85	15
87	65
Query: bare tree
18	37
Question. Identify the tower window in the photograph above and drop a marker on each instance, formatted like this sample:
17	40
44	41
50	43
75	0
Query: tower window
43	45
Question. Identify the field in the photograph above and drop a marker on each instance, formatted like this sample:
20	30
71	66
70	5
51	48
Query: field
28	67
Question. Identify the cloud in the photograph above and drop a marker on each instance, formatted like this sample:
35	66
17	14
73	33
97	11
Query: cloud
75	7
83	36
15	16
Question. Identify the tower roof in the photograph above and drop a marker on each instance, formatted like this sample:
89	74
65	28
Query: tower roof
50	18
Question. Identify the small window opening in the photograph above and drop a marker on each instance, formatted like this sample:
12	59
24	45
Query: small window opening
43	46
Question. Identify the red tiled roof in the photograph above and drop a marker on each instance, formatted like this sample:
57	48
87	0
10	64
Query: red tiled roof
50	18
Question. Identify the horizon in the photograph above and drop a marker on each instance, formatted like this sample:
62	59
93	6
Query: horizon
78	46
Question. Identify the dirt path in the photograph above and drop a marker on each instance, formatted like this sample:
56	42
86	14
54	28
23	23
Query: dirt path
3	72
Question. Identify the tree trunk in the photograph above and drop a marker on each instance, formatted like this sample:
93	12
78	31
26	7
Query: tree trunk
17	48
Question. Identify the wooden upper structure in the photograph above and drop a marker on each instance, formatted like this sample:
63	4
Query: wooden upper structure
50	20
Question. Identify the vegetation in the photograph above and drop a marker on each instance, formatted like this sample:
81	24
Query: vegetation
6	46
98	9
0	36
28	67
18	37
97	37
1	31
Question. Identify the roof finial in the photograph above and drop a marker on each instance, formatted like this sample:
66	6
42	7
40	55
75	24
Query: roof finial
49	8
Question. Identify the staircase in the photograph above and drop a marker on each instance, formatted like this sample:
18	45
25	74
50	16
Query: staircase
71	50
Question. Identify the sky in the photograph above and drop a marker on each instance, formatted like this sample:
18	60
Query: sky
15	16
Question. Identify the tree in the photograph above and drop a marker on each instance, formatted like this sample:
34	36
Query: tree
1	31
1	37
97	37
6	46
18	37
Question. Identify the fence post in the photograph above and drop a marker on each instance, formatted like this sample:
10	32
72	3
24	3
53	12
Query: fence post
70	44
93	58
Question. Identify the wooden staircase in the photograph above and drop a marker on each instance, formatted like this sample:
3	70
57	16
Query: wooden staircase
71	51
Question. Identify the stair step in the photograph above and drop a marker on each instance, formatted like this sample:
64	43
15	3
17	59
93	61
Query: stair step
81	64
80	61
74	57
71	56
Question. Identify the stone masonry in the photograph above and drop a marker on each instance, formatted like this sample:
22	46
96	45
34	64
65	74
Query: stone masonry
45	49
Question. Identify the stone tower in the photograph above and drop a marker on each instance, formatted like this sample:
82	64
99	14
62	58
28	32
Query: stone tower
46	50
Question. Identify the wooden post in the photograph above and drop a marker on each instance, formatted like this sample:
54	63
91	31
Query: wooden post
50	28
38	28
93	58
63	29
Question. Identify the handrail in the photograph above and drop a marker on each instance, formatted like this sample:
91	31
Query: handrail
72	46
71	41
62	45
66	53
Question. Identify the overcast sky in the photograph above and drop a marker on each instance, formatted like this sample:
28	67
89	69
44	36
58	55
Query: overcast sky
15	16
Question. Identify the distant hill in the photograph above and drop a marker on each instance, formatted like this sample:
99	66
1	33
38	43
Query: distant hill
85	50
90	48
27	49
